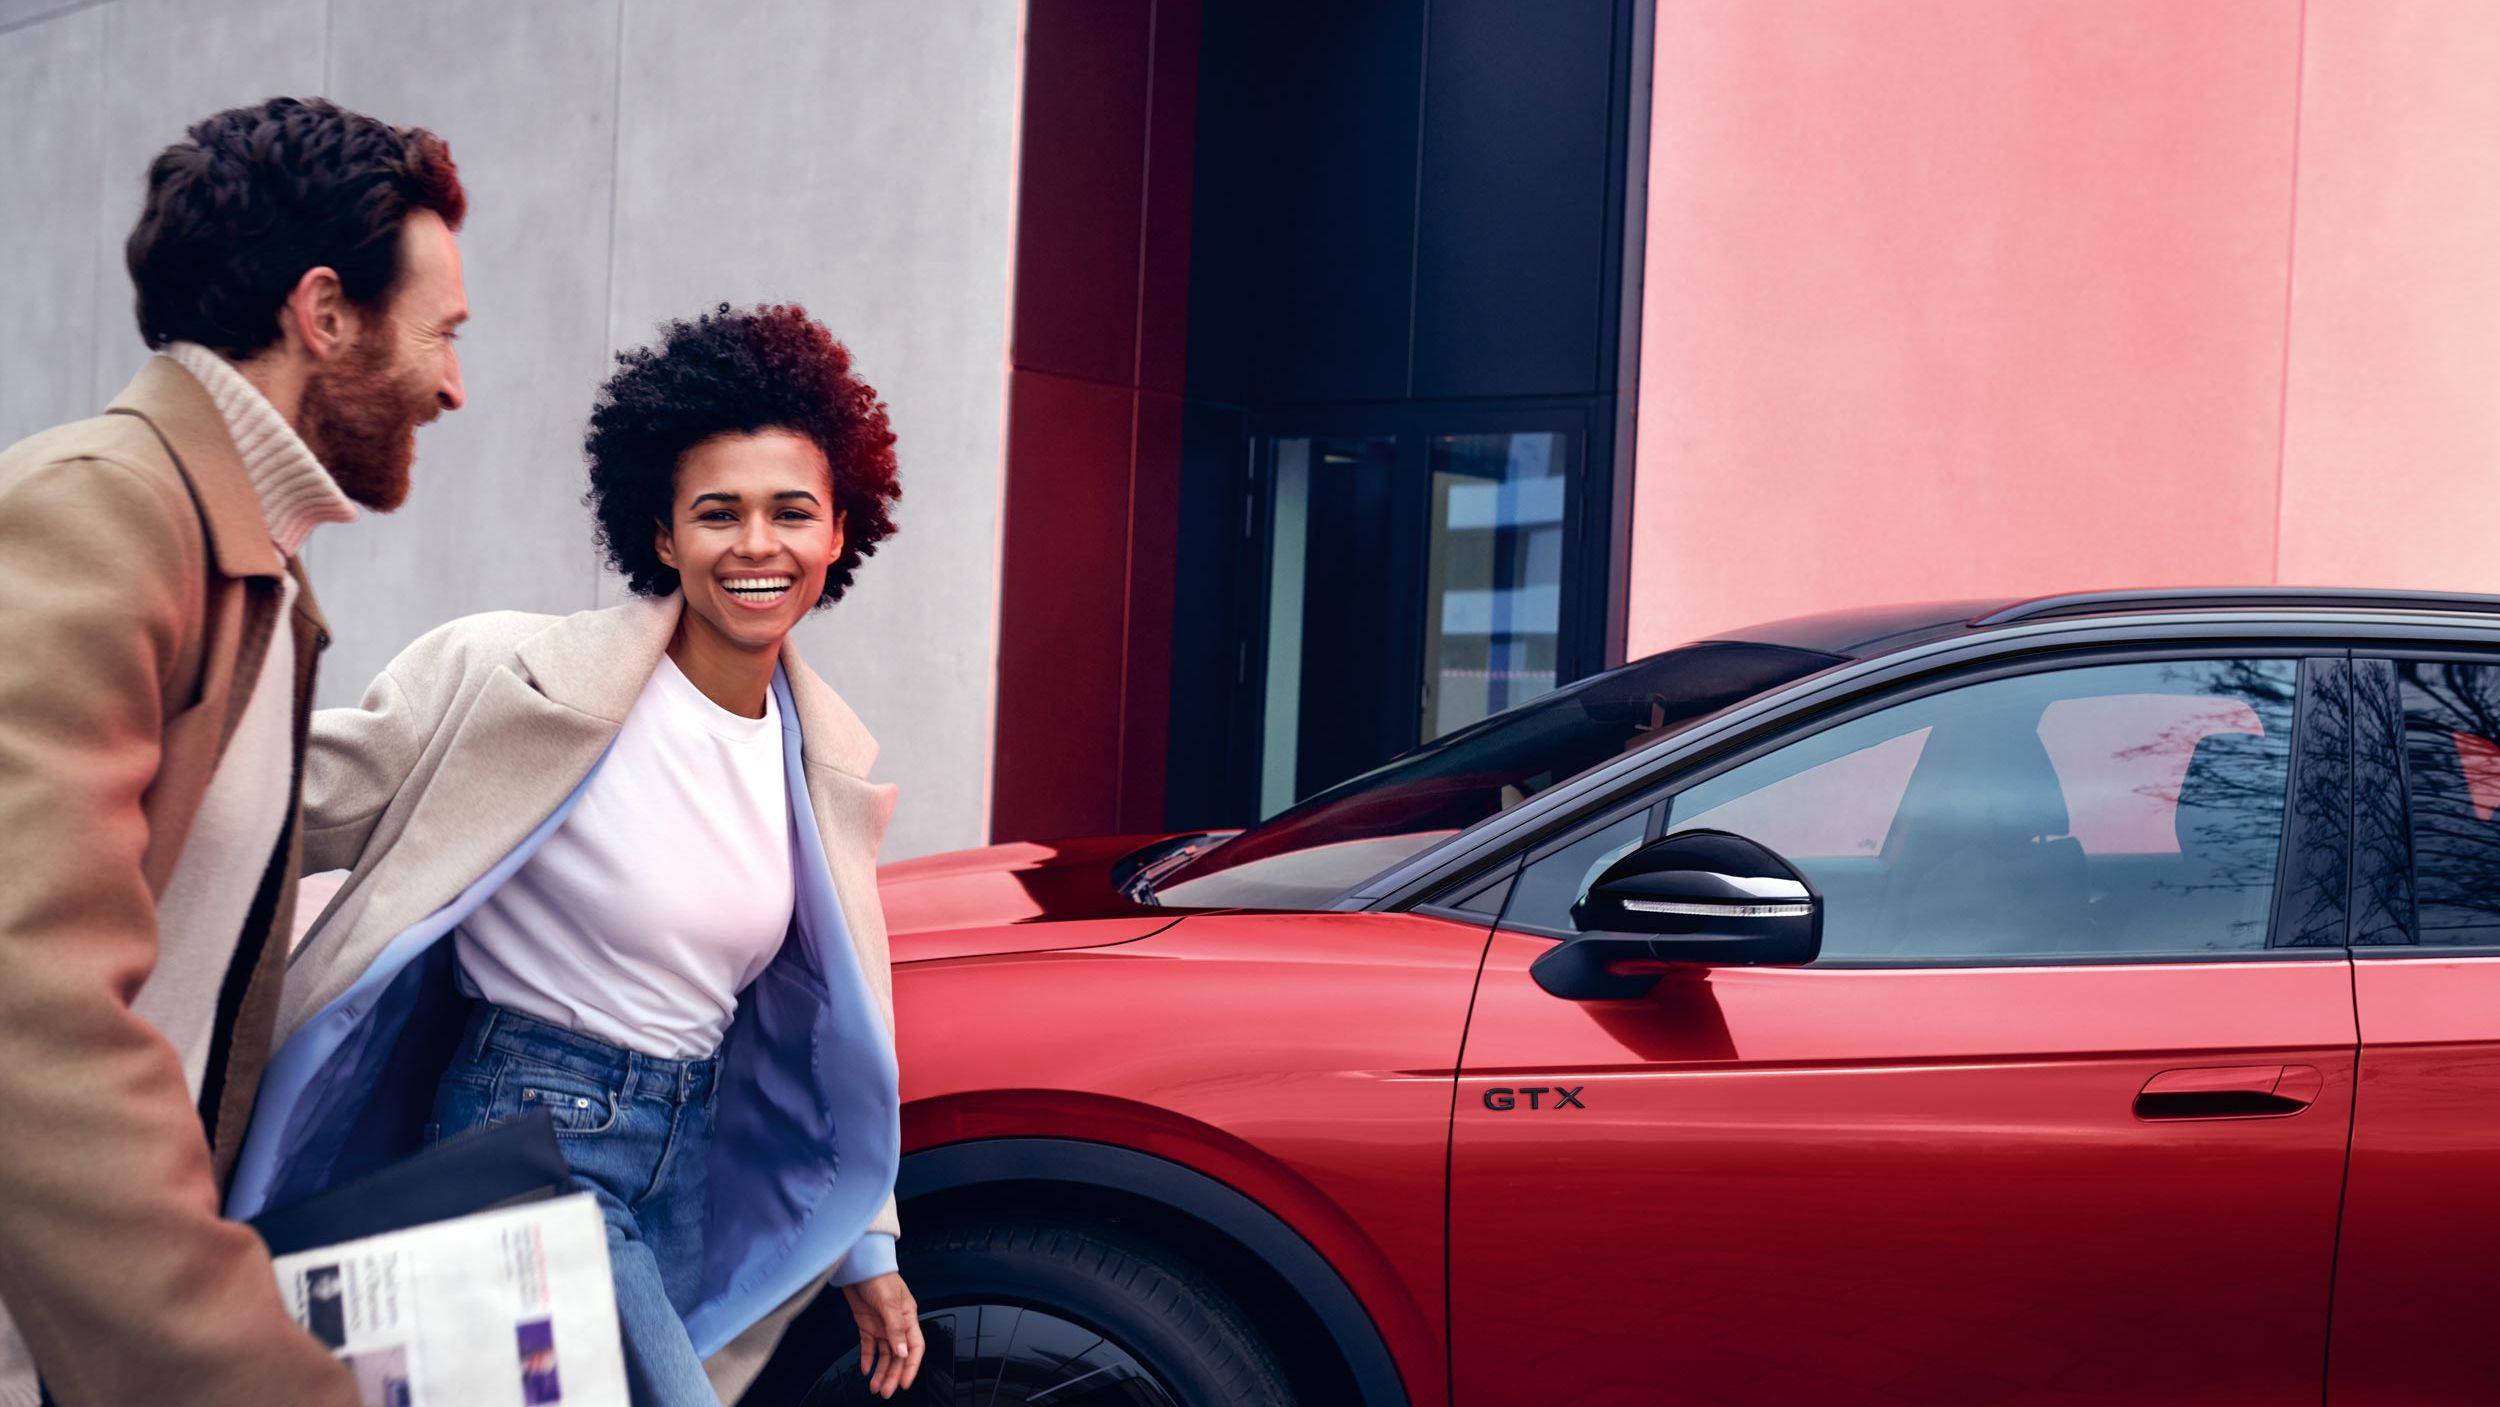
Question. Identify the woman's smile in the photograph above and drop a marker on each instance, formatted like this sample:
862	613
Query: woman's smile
759	593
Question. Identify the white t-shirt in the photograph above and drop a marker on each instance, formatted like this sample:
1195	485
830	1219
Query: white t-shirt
663	894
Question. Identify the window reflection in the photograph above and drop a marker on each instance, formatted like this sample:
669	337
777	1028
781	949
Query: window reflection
2452	790
1493	622
2314	892
2112	809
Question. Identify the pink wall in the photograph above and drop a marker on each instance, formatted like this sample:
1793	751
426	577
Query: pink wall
2395	366
1959	297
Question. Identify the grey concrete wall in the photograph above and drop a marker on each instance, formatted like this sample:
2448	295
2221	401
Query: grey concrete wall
627	161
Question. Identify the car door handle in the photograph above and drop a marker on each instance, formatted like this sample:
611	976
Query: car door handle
2229	1092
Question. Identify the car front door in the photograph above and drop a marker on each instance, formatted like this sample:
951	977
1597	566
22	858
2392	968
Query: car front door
2059	1116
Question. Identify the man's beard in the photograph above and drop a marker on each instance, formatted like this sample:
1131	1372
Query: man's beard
361	423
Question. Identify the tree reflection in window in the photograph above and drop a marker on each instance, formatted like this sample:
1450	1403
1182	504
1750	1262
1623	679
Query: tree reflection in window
2316	882
2452	794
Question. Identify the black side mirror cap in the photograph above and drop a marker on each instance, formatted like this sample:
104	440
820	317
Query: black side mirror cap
1693	897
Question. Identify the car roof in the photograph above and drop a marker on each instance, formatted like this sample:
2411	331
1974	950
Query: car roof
1866	631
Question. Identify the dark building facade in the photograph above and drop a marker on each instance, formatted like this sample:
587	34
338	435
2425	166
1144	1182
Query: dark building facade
1319	392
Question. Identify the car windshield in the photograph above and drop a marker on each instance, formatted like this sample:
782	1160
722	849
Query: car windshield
1318	849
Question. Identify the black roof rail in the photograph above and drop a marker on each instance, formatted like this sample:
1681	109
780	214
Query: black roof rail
2222	598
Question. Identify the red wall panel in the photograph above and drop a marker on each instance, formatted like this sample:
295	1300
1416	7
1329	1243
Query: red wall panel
1093	432
1061	613
1081	198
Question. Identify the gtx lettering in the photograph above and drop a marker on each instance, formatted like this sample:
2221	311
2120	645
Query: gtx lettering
1502	1098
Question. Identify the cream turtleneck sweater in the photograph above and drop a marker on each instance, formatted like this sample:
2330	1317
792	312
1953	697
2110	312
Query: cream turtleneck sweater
200	919
296	493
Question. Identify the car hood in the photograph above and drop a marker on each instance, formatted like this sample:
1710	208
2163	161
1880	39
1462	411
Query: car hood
1026	897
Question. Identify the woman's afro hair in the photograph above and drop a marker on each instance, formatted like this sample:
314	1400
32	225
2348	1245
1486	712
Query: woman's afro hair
734	372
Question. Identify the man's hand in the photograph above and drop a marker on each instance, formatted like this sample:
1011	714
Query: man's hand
890	1347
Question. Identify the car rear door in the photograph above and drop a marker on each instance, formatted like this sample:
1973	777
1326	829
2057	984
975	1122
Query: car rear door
2060	1116
2414	1303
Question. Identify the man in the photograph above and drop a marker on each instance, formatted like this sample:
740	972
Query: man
296	268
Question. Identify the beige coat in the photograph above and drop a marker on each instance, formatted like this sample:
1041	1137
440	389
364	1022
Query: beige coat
138	584
475	735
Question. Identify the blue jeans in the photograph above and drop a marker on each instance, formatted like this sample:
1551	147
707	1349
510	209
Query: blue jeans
636	1131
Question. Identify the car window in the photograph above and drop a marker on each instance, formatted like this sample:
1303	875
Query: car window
2452	790
1541	900
2103	810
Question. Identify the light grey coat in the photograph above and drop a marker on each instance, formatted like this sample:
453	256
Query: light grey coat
473	737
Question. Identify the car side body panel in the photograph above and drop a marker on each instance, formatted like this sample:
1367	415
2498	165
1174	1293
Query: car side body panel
1916	1184
2413	1284
1303	1060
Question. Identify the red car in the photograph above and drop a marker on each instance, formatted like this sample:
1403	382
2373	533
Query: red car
2087	1000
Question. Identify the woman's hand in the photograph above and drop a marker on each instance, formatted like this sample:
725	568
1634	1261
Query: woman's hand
890	1346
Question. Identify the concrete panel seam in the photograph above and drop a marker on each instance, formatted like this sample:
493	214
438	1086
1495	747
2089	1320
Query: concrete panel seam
2291	281
97	272
30	21
616	178
988	803
97	390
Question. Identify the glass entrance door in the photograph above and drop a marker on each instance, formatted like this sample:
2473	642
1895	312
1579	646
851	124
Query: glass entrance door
1341	612
1416	580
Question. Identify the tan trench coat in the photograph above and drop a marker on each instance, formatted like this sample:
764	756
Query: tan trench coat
138	585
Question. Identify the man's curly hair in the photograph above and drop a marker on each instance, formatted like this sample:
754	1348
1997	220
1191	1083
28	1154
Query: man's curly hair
252	197
735	372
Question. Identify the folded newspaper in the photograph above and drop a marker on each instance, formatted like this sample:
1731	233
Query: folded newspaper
506	1308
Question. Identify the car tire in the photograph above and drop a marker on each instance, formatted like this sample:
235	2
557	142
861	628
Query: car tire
1176	1326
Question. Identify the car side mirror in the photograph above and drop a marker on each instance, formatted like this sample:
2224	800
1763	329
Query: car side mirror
1693	897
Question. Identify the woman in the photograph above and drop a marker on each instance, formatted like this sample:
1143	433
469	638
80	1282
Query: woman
620	866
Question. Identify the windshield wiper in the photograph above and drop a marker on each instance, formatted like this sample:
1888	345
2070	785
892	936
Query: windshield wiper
1156	863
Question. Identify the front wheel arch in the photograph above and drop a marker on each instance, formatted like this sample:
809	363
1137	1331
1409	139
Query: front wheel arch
1055	1174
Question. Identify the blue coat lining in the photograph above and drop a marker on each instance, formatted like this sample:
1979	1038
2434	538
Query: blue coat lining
808	1133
